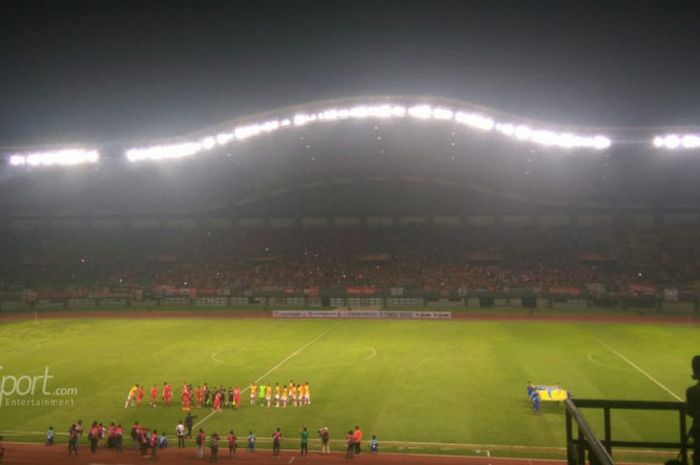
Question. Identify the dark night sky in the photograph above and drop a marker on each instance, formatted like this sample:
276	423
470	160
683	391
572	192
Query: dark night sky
119	71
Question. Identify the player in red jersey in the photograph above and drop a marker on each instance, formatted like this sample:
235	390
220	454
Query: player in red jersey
200	396
154	395
186	398
139	395
237	397
167	393
217	401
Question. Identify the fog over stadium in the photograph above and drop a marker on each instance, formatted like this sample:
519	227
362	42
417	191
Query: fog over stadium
464	226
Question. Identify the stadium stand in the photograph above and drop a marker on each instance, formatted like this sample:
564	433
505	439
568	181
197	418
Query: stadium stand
400	260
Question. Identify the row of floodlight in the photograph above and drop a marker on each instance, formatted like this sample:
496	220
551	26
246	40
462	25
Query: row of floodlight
472	120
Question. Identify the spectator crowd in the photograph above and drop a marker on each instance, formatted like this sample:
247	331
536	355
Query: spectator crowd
420	258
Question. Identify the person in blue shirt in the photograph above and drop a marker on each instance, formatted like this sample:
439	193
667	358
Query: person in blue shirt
530	389
251	442
535	400
373	445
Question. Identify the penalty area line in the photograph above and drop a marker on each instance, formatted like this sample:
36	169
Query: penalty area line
274	368
636	367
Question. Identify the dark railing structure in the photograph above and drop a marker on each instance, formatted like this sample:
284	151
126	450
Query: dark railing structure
600	451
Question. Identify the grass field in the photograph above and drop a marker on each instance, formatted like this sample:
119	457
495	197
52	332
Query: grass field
457	382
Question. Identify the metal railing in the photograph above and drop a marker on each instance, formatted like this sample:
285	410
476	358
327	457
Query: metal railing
601	451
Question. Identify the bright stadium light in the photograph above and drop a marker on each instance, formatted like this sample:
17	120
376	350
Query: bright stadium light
505	128
422	111
303	119
601	142
224	138
475	121
675	141
17	160
444	114
164	152
208	143
522	132
65	157
690	141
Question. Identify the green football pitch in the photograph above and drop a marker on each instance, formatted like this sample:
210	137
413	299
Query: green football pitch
447	383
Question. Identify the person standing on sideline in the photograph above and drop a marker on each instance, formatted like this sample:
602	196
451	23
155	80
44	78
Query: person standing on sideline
276	442
180	432
189	421
357	439
692	396
231	438
350	447
143	442
373	445
72	440
251	442
118	437
201	437
153	444
304	442
325	440
214	447
92	437
50	436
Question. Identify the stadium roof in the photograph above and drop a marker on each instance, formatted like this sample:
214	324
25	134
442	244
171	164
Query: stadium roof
367	156
448	111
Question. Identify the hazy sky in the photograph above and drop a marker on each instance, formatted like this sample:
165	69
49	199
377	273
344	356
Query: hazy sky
102	71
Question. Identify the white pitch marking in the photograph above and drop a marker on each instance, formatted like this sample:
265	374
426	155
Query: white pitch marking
604	365
204	419
295	353
292	460
636	367
285	360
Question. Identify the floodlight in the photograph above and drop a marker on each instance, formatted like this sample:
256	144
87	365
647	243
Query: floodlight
65	157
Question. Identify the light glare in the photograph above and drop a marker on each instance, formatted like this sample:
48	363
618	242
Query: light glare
66	157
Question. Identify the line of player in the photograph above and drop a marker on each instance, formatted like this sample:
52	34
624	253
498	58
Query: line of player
291	394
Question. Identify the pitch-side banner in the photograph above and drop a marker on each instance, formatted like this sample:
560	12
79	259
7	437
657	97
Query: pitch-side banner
329	314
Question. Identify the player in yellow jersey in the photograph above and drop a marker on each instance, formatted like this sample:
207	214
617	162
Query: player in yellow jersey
285	395
277	394
253	393
302	394
293	395
131	397
307	394
268	395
